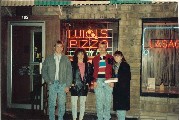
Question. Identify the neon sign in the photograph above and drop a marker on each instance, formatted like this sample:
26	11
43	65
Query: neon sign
88	39
158	44
102	33
162	43
85	43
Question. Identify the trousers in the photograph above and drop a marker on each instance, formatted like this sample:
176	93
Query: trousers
56	91
121	114
74	100
103	93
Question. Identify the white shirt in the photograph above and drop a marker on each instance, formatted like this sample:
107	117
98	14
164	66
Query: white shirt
57	62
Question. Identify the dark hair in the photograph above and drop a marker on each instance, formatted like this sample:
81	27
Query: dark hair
78	50
120	54
58	42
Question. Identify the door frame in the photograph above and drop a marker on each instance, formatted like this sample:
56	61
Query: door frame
9	60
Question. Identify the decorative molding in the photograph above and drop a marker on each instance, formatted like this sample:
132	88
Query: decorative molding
72	2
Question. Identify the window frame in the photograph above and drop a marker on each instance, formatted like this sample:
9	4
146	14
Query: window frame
154	93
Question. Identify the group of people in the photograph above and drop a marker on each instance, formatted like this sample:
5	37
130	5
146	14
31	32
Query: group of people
76	76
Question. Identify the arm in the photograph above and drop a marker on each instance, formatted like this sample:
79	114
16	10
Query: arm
73	72
69	73
125	72
90	73
94	79
124	75
45	71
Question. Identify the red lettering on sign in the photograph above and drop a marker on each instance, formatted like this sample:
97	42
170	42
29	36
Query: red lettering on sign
163	43
73	43
90	33
85	43
177	44
94	43
83	46
171	44
104	32
158	44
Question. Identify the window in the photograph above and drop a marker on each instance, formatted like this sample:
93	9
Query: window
88	33
160	57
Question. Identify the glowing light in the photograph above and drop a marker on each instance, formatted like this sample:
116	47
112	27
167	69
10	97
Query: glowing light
85	43
104	32
164	43
90	33
88	39
73	43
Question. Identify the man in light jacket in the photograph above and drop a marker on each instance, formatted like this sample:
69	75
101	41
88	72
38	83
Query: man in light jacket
57	73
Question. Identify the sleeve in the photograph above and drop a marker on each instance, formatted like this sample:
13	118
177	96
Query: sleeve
94	79
113	71
90	73
45	71
69	73
73	72
126	73
129	72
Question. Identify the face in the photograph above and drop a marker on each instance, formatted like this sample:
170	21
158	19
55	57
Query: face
102	48
80	56
58	48
118	58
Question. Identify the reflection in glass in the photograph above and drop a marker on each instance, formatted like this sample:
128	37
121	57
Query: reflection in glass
26	55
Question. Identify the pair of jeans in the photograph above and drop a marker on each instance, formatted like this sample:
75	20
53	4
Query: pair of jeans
121	114
103	93
56	90
74	100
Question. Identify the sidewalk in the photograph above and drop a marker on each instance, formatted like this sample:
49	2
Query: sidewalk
22	114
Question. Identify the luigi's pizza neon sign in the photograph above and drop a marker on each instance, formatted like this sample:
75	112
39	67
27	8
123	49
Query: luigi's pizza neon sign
88	39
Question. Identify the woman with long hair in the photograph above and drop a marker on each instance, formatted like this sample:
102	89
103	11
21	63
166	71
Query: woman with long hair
121	90
82	77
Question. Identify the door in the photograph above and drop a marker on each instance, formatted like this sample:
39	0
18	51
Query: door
26	52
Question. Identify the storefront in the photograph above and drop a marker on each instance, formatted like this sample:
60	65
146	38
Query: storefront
125	27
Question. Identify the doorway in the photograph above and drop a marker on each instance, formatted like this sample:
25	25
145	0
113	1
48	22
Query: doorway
26	52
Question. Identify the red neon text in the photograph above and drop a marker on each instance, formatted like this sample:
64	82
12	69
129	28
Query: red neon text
90	33
85	43
164	43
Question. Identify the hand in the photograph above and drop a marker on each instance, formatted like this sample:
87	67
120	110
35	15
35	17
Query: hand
67	89
49	83
111	84
95	84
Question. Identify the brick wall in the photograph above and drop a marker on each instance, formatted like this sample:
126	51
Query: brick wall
160	108
129	43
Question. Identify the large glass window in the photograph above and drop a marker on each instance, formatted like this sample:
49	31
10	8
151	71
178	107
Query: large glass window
160	57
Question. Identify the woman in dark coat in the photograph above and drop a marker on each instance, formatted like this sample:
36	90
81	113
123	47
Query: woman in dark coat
121	90
82	77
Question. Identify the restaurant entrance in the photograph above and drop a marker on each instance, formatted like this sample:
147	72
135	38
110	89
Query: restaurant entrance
26	50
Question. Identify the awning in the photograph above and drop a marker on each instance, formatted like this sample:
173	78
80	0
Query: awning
130	1
139	1
74	2
35	2
17	2
52	2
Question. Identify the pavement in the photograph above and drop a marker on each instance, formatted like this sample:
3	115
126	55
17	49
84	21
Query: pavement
22	114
